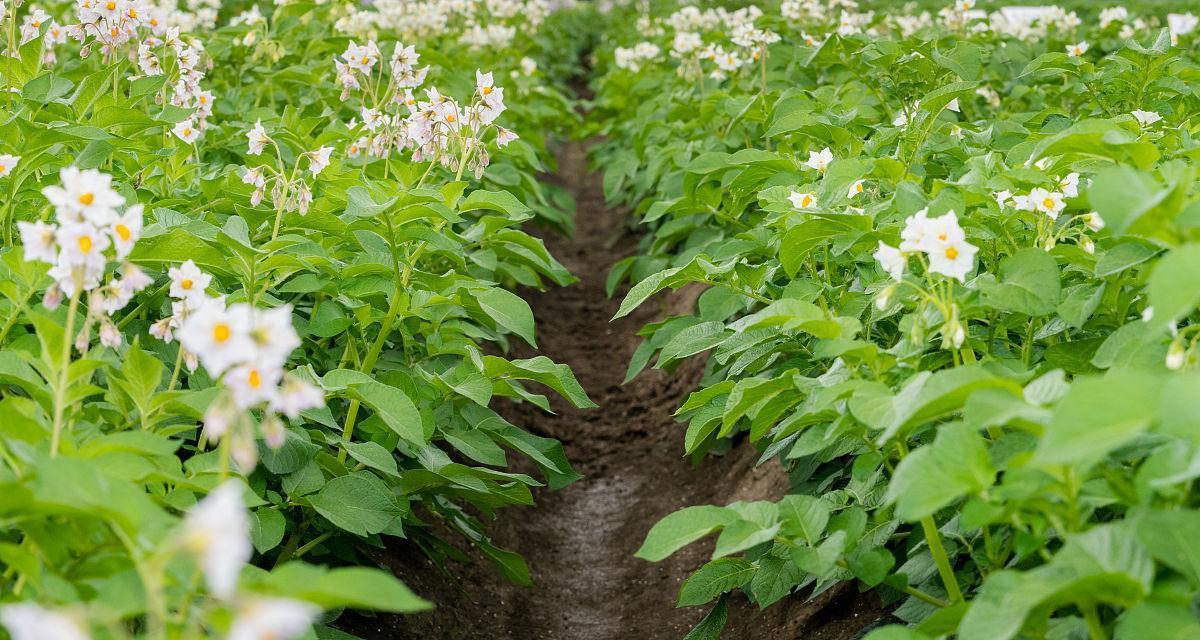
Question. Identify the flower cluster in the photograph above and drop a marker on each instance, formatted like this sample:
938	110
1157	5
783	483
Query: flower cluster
941	240
437	129
246	348
289	190
90	231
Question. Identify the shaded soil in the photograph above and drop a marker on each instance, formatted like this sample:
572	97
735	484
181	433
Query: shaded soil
580	541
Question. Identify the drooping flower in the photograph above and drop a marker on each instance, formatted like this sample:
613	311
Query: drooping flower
29	621
273	619
891	259
257	137
217	531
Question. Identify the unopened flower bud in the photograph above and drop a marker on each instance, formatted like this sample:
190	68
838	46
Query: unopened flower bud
1176	356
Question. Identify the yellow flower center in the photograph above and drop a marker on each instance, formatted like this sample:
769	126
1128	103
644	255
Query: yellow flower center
110	5
186	284
133	12
187	131
87	198
858	187
951	253
254	379
85	244
3	169
221	332
1048	203
450	118
807	200
124	232
942	236
487	91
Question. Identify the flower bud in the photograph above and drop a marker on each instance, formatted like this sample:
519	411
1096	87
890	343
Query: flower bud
1176	356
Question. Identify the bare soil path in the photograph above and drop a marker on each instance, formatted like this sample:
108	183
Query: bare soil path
580	541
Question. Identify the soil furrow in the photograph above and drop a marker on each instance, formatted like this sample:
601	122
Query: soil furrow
580	541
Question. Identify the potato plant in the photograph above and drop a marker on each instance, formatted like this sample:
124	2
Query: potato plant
949	266
258	274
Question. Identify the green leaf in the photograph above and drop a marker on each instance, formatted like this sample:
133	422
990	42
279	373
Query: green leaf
1170	536
509	311
266	528
1174	286
682	528
1029	284
713	579
373	455
712	624
354	587
359	503
391	404
501	201
1098	415
956	464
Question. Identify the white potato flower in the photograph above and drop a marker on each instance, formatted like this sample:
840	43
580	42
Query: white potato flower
954	259
126	230
1048	202
819	160
273	619
188	282
802	200
82	245
187	131
8	163
855	189
1144	118
39	241
84	195
1093	221
319	159
1069	185
257	138
891	259
296	395
1078	49
29	621
253	384
217	531
220	338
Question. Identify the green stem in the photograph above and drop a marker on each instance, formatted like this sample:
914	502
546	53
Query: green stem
60	390
1092	617
311	544
941	559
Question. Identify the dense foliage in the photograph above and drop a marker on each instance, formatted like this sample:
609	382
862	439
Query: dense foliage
950	269
257	280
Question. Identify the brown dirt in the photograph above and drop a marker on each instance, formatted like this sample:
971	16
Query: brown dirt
580	541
